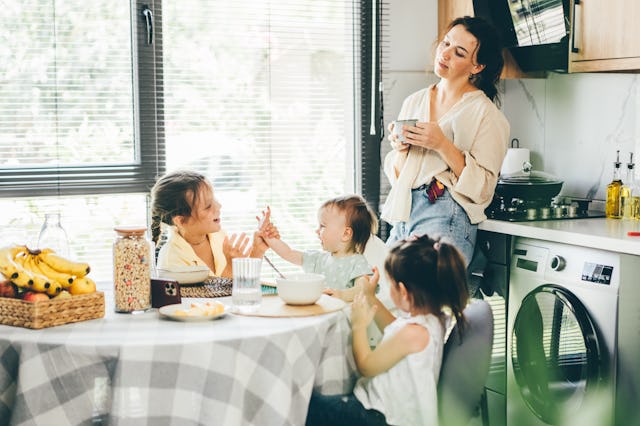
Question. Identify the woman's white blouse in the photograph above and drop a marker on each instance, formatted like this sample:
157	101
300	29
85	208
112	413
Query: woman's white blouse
478	129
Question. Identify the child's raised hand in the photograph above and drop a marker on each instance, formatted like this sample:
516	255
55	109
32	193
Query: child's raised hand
361	312
333	292
235	246
369	283
266	228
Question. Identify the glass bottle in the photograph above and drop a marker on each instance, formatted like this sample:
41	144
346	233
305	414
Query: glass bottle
132	268
52	235
628	191
612	208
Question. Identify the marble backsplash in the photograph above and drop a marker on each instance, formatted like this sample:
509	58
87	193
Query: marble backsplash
572	123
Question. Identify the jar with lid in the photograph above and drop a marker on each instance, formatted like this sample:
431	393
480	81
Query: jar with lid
132	269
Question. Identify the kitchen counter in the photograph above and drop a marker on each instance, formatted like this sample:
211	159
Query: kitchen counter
605	234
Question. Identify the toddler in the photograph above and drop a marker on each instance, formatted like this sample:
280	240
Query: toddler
344	227
185	201
399	378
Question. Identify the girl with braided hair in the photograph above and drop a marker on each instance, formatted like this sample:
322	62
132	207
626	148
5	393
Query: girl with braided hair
185	202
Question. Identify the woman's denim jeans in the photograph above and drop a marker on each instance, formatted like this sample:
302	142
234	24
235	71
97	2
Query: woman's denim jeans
444	218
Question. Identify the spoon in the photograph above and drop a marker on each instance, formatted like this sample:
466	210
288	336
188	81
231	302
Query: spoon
274	267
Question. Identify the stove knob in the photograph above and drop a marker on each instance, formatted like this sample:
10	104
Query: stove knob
558	263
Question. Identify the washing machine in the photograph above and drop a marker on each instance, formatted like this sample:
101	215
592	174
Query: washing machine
562	324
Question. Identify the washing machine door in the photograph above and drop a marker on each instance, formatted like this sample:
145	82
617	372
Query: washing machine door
557	355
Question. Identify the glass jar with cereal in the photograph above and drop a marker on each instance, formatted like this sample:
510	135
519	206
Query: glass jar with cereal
132	268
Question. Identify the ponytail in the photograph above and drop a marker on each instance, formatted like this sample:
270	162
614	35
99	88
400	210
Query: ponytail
452	274
434	274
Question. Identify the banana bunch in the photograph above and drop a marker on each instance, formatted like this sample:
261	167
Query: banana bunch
44	271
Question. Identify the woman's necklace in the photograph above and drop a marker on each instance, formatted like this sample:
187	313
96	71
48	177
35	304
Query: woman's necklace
206	237
199	242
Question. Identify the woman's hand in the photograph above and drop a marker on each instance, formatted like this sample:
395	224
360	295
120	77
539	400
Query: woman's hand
395	143
235	246
361	312
427	135
261	239
430	136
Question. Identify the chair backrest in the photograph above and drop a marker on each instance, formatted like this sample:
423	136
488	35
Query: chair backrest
465	366
376	252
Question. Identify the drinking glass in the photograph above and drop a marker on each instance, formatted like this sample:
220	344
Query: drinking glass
246	294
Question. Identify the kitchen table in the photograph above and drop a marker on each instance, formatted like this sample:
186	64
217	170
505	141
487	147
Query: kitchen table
140	369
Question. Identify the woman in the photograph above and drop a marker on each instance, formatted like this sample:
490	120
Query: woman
444	175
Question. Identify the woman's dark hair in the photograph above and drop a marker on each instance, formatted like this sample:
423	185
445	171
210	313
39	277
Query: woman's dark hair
489	54
174	194
359	217
433	272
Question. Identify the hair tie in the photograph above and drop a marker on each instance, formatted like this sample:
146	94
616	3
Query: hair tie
436	246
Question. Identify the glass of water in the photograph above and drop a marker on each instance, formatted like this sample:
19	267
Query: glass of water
246	294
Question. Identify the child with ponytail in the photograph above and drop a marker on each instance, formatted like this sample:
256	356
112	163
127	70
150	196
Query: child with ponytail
399	378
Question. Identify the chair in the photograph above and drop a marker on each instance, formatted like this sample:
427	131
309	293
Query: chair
465	366
376	252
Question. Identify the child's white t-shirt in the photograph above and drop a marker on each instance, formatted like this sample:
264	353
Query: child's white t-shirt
407	393
339	272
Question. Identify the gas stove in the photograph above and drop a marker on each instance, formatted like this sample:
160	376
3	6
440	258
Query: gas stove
519	210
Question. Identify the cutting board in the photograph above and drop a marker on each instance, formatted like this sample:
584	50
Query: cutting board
274	306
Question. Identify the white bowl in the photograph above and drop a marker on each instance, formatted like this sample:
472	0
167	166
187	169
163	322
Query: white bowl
185	274
300	289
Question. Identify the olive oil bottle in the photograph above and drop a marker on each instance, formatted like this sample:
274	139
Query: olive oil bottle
612	208
629	191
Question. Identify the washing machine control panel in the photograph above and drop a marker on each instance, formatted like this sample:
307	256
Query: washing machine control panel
597	273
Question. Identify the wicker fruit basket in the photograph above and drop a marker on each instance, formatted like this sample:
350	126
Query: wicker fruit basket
49	313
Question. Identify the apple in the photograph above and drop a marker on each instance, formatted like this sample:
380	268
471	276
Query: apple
7	289
34	296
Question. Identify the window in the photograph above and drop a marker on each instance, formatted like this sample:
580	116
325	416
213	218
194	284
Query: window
261	96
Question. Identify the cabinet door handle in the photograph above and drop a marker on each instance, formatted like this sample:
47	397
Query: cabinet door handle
576	27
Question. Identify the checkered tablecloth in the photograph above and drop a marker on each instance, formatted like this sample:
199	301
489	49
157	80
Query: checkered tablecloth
144	370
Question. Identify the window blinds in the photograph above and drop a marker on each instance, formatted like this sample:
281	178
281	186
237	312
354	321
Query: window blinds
261	96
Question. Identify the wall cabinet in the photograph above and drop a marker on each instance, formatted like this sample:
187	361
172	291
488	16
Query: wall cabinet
606	35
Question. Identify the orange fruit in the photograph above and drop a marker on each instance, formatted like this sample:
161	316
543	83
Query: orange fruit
84	285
